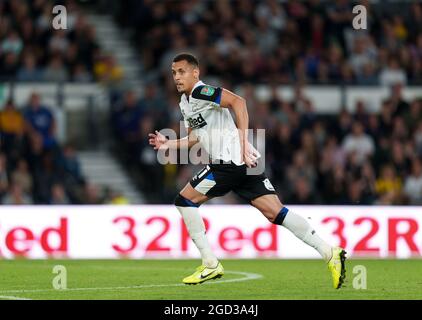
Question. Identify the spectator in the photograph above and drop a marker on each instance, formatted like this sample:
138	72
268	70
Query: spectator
361	115
9	64
228	44
70	163
388	185
12	44
392	74
4	180
22	176
272	12
40	121
331	155
418	139
58	42
55	71
340	15
58	195
361	56
16	196
45	178
368	180
413	116
11	128
108	71
368	76
127	124
117	198
317	38
309	147
81	74
359	142
398	104
301	168
92	194
342	127
153	101
413	183
355	194
29	72
302	193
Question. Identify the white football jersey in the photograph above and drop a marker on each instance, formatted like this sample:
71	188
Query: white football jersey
211	124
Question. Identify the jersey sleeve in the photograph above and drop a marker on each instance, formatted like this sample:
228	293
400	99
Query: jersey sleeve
208	93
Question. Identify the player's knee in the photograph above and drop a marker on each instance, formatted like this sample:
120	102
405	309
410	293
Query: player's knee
181	201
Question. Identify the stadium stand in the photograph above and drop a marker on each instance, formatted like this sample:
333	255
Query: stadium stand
370	154
350	157
35	168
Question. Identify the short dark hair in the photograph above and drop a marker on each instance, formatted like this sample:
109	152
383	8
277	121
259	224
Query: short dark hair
190	58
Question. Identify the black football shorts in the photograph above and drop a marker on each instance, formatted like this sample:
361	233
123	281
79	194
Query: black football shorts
215	180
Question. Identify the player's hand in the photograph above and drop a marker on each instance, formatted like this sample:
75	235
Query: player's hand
250	157
157	140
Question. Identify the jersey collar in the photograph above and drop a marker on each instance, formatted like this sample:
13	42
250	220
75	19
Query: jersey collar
199	83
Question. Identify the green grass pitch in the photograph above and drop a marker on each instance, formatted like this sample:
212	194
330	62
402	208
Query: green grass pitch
244	280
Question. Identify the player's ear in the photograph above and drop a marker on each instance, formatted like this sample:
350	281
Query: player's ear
196	72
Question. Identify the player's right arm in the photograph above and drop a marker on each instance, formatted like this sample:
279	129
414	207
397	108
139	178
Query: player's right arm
159	141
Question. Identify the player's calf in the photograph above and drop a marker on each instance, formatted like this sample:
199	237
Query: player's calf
335	257
196	228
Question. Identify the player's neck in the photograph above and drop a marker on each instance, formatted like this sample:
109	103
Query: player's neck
189	92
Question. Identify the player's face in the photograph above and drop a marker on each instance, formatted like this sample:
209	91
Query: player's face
185	76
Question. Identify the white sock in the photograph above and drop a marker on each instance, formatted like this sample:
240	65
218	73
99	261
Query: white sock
303	230
196	229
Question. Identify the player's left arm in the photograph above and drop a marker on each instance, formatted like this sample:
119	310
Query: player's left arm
238	105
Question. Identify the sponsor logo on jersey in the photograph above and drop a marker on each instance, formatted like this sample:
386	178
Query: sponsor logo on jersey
207	91
197	122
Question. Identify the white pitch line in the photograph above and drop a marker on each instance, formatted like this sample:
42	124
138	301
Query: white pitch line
13	298
247	277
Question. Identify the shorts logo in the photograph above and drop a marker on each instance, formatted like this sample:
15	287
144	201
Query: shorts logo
207	91
201	173
197	122
268	185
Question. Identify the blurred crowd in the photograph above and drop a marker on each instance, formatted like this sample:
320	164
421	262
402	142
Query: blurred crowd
35	168
359	158
281	41
31	50
311	158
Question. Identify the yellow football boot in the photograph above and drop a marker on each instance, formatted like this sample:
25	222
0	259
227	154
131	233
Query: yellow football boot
204	273
337	267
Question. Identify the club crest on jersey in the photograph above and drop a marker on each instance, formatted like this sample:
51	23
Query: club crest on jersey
268	185
197	122
207	91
